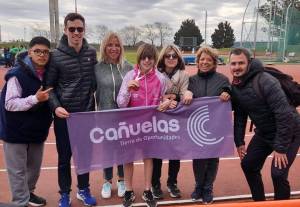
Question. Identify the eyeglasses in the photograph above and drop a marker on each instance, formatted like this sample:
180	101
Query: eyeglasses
39	52
73	29
171	56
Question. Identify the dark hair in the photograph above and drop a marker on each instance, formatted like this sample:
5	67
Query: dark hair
72	17
240	50
39	40
146	50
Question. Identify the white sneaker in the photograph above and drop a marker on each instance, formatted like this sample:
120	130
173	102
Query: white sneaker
106	190
121	188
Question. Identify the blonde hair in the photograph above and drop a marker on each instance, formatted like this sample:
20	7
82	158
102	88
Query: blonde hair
103	56
209	51
161	62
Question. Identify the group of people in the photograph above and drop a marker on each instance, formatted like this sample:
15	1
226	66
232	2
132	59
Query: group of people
40	89
11	53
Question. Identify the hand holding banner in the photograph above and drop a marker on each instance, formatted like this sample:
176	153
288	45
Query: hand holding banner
102	139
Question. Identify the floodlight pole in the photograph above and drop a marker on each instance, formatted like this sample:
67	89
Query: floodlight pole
255	31
243	23
285	30
75	6
205	28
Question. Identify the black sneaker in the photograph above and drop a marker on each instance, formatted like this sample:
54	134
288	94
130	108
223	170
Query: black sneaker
148	198
207	197
35	200
197	194
128	199
174	191
157	192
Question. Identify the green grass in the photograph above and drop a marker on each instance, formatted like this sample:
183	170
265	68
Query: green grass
130	56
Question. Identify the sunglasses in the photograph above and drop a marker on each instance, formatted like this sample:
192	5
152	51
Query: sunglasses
39	52
171	56
73	29
149	57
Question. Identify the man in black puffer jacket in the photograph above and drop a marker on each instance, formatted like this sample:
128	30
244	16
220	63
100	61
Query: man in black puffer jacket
71	74
277	125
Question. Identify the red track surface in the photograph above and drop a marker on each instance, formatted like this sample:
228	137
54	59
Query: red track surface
230	180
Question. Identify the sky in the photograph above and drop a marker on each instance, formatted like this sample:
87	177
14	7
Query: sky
18	17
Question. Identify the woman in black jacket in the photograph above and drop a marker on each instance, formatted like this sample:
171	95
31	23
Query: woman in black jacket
207	82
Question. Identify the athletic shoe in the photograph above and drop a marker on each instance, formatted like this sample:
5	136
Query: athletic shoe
128	199
207	197
85	196
174	191
64	200
197	194
157	192
106	190
148	198
35	200
121	188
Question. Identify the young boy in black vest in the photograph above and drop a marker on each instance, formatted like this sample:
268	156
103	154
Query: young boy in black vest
25	121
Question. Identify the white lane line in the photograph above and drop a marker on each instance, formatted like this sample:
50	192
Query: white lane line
221	198
141	163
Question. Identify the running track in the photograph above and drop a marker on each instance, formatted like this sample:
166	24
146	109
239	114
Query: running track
230	182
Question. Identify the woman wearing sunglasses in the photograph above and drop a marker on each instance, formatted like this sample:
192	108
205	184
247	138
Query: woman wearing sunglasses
207	82
143	86
171	64
110	72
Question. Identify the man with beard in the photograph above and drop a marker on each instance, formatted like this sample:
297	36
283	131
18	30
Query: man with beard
277	124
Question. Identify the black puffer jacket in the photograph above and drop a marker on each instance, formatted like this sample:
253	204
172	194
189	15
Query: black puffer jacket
209	83
71	74
273	117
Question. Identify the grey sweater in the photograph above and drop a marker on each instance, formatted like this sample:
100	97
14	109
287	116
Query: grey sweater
109	78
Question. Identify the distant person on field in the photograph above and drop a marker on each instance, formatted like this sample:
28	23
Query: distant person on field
72	76
277	125
13	51
7	57
110	72
25	121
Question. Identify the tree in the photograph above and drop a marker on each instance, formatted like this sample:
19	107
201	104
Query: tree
101	30
223	36
164	31
150	33
278	9
130	35
188	28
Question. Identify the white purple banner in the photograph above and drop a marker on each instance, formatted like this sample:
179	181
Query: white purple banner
101	139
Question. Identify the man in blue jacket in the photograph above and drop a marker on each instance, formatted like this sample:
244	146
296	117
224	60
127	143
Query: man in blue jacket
25	121
277	125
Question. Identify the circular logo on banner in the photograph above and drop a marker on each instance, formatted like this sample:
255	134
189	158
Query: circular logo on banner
196	128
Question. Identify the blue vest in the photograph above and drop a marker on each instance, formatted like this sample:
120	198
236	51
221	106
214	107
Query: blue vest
24	127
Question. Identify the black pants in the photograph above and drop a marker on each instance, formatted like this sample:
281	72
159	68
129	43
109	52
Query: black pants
64	158
174	166
205	172
252	163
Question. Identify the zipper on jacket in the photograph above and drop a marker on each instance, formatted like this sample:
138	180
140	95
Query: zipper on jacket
146	87
205	87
